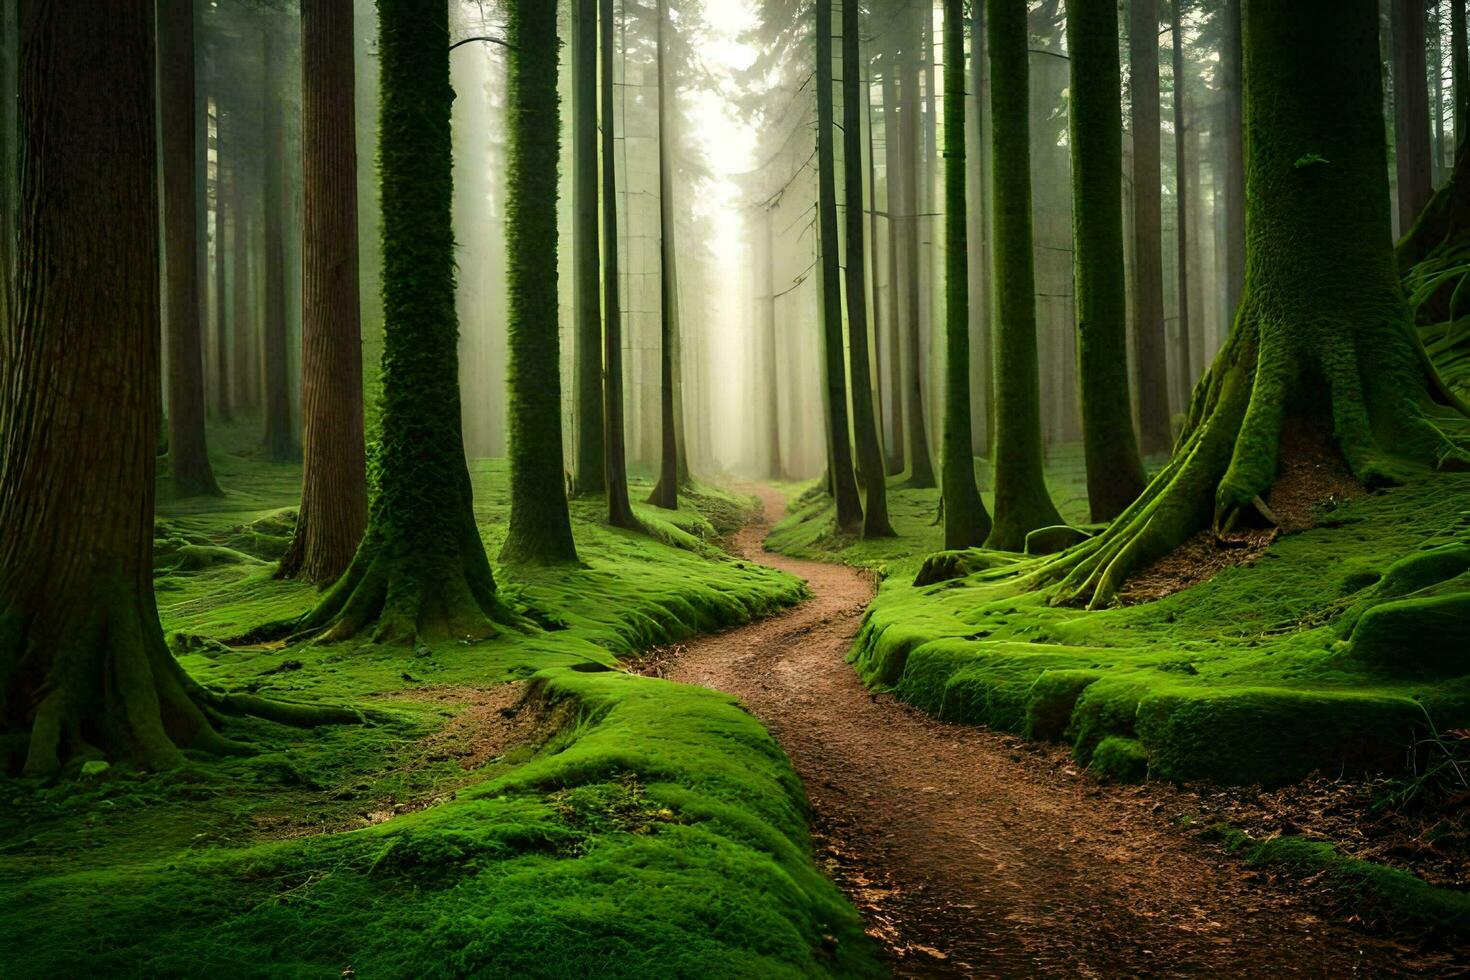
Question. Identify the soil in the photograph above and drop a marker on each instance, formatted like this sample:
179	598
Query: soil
973	853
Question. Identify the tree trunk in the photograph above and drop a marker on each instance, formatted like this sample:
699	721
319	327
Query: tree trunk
666	491
587	292
1412	150
767	335
1182	357
1234	138
1324	343
893	181
9	47
540	529
1022	503
966	522
245	383
1114	473
224	403
421	571
865	424
875	273
84	669
280	438
188	455
916	432
839	450
980	305
1460	60
619	508
1149	348
334	472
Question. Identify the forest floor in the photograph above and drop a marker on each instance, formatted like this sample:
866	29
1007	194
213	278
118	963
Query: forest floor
973	853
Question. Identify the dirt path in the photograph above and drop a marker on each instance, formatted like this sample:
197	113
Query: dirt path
971	856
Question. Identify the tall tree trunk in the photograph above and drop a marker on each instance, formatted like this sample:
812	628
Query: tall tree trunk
245	383
83	665
540	529
587	291
893	192
1183	359
9	48
1436	105
1324	341
1412	150
1231	65
966	522
1022	503
916	432
666	491
1149	345
188	455
864	419
334	472
223	400
874	271
421	571
280	438
980	299
1114	473
839	451
619	508
768	337
1460	61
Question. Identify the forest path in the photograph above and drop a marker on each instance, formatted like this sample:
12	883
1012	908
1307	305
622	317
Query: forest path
966	857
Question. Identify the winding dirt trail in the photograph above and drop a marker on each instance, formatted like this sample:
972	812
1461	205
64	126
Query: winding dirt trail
971	854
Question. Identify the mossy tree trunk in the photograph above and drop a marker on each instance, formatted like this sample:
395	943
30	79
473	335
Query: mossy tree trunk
334	475
1150	354
280	436
540	526
1022	503
864	417
916	430
966	522
84	670
421	570
188	453
619	507
839	449
1114	473
666	491
1324	338
587	292
1412	147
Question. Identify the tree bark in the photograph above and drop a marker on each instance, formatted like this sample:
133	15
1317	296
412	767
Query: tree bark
966	522
916	432
1149	345
1460	61
768	337
619	508
839	450
421	571
540	529
666	491
1183	359
980	305
587	291
1412	150
1114	473
1234	125
223	361
245	382
280	437
1022	503
1324	342
893	184
334	471
865	424
188	454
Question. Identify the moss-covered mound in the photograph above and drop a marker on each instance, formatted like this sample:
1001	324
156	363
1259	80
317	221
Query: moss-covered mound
1328	652
582	822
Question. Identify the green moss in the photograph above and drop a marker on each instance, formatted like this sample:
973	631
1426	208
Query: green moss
1122	760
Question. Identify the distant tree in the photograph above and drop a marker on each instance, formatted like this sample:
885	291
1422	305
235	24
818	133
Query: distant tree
1149	347
864	417
84	670
891	367
666	491
839	450
910	141
188	453
966	522
1324	342
223	362
619	508
587	260
1412	149
421	570
540	527
1022	503
334	475
280	435
1114	473
1182	355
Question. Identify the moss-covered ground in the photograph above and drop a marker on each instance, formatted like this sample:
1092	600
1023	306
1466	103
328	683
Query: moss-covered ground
585	822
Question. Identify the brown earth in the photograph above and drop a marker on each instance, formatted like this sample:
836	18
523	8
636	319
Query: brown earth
972	853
